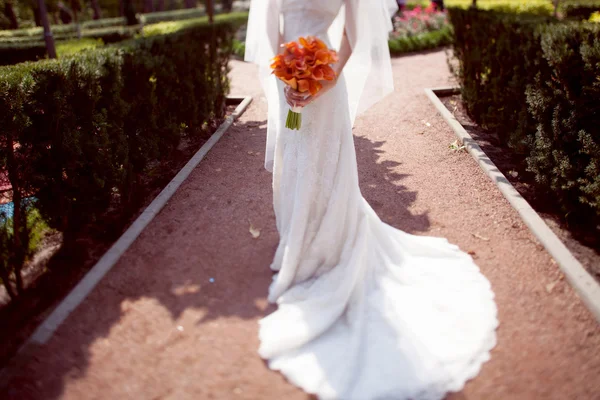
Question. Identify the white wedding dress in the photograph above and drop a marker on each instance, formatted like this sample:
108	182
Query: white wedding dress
365	311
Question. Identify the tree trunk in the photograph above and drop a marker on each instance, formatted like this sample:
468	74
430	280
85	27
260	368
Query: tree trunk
47	31
96	9
148	6
129	12
77	24
9	11
210	10
36	16
190	3
227	5
474	4
556	4
160	5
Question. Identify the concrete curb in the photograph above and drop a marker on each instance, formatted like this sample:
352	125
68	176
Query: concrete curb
110	258
583	283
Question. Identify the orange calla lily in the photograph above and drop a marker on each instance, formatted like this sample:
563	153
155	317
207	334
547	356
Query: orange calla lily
302	65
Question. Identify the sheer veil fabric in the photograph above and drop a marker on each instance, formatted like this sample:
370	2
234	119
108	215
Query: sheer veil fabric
365	311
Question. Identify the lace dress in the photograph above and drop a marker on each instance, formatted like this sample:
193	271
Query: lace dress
365	311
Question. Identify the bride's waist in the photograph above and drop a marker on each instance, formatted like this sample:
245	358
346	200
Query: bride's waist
305	23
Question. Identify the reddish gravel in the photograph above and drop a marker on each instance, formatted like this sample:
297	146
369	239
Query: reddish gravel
157	328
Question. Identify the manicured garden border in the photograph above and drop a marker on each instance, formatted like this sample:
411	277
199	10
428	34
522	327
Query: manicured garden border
110	258
583	283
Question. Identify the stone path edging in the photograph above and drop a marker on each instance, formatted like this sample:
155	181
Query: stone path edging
583	283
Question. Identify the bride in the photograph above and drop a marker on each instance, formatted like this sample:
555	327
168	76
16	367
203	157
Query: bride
365	311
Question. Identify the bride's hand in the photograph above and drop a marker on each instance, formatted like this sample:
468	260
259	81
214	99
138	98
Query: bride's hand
296	99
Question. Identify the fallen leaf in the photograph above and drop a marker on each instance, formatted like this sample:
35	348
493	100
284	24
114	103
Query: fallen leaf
254	232
550	286
478	236
456	146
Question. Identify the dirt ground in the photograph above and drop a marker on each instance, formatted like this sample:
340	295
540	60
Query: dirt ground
177	317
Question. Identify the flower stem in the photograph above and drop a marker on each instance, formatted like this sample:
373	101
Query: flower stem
294	120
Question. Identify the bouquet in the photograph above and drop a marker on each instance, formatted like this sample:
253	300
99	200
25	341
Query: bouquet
302	67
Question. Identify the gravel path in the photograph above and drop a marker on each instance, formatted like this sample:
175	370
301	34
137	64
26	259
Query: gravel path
177	316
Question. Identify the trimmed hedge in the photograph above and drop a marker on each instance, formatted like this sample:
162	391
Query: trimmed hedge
421	41
580	11
533	82
71	29
27	50
110	34
57	30
564	101
18	53
538	7
80	133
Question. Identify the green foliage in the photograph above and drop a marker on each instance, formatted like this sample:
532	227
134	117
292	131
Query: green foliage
538	7
534	83
239	48
499	55
564	101
71	47
27	44
89	126
581	10
166	27
175	15
17	247
421	41
16	53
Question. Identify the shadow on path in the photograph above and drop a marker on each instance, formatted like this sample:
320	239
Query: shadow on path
190	290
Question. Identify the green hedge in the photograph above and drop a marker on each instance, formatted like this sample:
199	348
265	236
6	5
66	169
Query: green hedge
71	29
422	41
580	11
80	133
534	83
564	101
16	51
27	44
111	34
57	30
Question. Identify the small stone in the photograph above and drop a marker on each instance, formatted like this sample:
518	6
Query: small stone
550	287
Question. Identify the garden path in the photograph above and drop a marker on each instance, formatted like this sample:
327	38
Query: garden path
177	317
